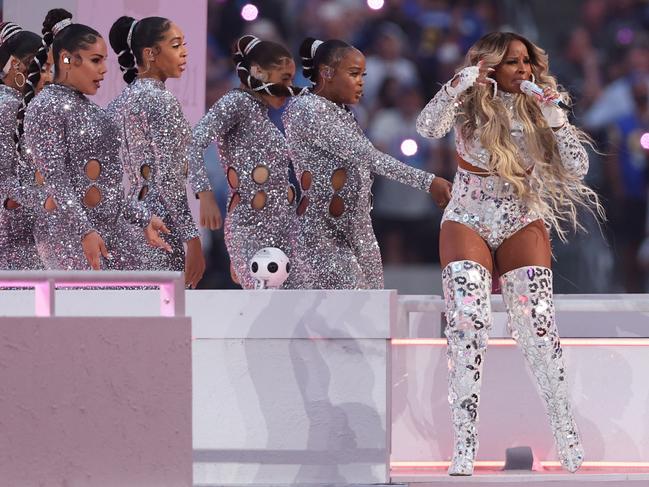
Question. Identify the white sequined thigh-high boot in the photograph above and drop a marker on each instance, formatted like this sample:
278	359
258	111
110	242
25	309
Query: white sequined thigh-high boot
467	292
527	293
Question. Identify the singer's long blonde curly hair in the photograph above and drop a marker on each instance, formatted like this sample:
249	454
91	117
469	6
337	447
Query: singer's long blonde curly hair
550	189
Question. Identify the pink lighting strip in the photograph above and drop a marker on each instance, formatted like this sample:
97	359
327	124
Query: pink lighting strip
500	464
508	342
44	283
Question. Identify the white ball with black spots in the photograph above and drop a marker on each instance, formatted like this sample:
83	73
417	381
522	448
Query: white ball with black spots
269	267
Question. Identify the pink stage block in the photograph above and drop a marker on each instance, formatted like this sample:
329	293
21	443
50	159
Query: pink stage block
95	402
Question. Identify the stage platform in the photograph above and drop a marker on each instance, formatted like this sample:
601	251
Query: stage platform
307	388
517	478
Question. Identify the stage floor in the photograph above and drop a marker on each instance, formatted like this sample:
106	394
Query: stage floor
511	478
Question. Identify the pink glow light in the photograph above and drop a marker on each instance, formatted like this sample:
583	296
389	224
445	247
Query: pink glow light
644	140
249	12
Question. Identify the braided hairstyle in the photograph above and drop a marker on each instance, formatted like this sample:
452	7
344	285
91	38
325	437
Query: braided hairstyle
128	38
16	42
314	53
71	37
252	50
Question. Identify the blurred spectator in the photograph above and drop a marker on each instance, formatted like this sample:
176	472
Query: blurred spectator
579	69
627	177
388	61
617	100
406	220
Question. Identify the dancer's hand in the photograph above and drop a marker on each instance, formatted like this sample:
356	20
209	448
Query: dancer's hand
233	275
440	191
210	215
152	233
554	116
93	248
469	76
194	263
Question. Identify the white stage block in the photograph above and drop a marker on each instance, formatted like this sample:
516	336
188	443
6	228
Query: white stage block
609	393
95	402
292	387
578	315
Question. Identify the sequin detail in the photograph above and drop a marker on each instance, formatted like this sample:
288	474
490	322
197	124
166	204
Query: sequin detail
527	293
467	292
17	245
338	252
444	112
64	130
155	137
488	205
254	149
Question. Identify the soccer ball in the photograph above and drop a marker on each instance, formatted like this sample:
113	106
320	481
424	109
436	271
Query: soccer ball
269	267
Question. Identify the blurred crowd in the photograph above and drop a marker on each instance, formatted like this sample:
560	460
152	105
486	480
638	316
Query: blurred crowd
599	51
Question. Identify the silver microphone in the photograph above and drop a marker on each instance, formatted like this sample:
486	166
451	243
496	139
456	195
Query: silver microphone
531	89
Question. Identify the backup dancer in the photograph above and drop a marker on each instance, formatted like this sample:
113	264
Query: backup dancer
254	154
83	221
156	137
521	170
335	246
17	245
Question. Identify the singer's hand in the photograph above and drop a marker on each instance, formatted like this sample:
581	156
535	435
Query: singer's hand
549	94
554	116
467	77
484	72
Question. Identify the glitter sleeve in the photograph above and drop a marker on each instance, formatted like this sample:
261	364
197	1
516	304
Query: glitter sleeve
136	213
160	151
438	117
348	140
8	175
223	115
45	128
388	166
572	152
198	179
24	191
13	183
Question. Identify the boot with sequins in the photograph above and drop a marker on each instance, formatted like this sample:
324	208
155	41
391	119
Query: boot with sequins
467	292
527	293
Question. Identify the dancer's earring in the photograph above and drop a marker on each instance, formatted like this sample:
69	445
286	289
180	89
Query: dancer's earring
20	83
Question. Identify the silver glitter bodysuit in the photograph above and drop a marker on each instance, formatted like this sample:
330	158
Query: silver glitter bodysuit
17	245
255	158
155	137
489	204
74	145
335	246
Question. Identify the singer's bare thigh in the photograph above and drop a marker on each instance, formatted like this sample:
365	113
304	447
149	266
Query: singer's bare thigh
459	242
529	246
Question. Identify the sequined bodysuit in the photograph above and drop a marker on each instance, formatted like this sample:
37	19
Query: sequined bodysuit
255	158
74	145
488	204
155	137
335	246
17	245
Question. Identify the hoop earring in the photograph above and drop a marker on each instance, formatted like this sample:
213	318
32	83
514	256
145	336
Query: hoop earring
495	85
148	67
533	78
22	83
